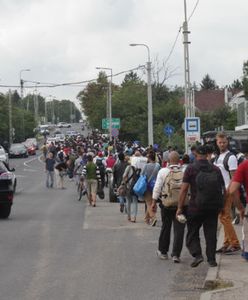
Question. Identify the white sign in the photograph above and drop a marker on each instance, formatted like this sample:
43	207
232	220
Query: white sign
192	132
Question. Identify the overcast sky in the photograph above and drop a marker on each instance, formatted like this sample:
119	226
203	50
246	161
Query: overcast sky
64	40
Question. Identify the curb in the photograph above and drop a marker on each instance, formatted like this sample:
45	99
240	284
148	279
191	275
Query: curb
212	274
208	295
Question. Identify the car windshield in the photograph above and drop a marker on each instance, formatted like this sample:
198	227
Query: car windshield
17	147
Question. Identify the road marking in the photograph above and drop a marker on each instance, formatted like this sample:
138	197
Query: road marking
29	170
29	161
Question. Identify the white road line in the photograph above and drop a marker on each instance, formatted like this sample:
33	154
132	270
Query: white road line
29	170
29	161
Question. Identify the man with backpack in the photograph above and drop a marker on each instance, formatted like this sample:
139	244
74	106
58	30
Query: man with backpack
207	190
130	177
167	188
227	163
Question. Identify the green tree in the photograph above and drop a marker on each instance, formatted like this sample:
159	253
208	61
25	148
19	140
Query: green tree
208	83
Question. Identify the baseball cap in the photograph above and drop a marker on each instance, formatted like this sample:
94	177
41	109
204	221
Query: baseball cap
202	150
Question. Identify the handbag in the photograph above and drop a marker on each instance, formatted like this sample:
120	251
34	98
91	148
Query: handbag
140	186
122	190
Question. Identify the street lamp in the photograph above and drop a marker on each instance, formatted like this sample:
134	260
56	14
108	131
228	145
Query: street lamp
149	94
21	80
109	100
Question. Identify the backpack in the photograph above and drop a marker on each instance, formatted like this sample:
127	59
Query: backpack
135	177
240	159
171	187
209	188
100	166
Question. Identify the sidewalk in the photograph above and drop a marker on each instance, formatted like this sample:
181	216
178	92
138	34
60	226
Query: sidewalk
231	273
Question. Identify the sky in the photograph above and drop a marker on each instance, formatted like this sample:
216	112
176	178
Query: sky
64	41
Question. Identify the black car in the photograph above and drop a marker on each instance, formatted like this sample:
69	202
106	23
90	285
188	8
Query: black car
7	189
18	150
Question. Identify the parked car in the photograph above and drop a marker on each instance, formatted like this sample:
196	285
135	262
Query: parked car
4	155
60	137
7	189
71	133
63	125
50	140
31	148
32	141
18	150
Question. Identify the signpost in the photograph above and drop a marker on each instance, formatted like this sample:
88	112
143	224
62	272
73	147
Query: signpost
115	123
192	132
169	130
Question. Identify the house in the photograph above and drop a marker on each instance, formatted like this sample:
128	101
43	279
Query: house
239	102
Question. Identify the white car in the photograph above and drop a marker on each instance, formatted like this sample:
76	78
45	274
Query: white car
50	140
4	156
60	137
63	125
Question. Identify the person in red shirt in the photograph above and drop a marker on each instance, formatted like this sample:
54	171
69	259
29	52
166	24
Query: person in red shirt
241	177
110	162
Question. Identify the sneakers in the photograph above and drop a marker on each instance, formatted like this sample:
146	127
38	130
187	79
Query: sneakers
212	263
176	259
236	220
161	255
196	261
153	222
222	249
232	250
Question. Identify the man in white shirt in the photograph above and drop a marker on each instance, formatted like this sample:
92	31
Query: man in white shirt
168	213
227	163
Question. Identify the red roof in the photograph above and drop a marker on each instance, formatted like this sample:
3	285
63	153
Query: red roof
209	100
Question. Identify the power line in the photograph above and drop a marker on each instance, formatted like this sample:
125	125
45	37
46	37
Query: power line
173	46
77	83
193	11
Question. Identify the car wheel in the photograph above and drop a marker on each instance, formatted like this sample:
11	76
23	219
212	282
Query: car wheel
5	211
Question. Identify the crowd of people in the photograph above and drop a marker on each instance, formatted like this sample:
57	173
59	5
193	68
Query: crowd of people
192	191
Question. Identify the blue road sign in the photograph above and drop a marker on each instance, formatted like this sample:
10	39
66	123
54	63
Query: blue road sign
168	130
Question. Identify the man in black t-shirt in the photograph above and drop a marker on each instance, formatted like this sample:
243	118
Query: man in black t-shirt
49	168
197	216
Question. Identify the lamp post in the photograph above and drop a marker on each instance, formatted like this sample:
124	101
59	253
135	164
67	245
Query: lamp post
109	100
21	80
149	94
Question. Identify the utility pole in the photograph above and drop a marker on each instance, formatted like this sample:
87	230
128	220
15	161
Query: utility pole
10	120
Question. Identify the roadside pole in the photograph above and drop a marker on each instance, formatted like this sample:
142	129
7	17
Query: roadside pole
10	120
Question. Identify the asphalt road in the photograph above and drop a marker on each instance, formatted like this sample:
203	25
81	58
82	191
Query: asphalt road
54	247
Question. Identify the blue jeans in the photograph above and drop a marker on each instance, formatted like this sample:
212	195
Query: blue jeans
132	205
50	174
121	200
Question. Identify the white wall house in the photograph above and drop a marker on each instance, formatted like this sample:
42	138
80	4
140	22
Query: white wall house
239	102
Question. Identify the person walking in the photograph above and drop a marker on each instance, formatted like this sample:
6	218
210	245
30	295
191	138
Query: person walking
167	188
49	168
150	171
60	171
118	171
227	163
207	190
241	178
129	177
93	178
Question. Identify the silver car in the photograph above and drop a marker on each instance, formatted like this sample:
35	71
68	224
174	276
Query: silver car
4	155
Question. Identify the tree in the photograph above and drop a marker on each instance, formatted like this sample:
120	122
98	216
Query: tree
208	83
237	84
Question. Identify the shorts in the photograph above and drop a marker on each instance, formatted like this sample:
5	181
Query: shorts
92	186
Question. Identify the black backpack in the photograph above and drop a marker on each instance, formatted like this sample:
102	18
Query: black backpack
134	179
209	188
101	167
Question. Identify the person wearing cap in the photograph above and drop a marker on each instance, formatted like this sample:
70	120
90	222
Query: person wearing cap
197	217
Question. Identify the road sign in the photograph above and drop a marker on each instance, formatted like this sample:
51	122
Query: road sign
169	130
115	132
192	132
115	123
